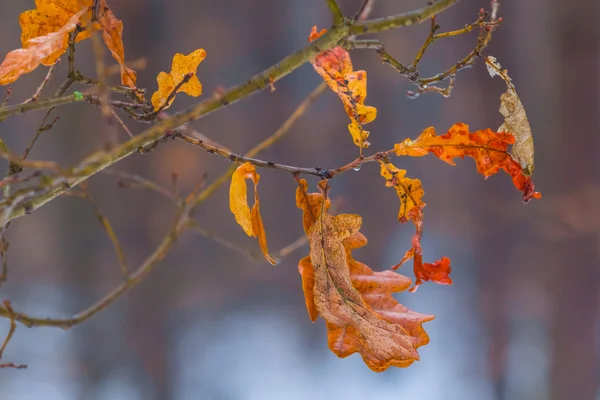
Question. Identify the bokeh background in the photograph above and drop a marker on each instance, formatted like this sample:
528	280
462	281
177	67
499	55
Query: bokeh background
521	320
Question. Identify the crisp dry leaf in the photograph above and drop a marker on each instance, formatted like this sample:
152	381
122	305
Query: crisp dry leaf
515	119
249	220
51	16
335	66
438	271
112	34
409	190
489	149
23	61
311	204
181	66
357	304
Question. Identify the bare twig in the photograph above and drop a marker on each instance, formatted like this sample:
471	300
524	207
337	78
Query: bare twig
40	88
336	12
11	331
110	232
135	181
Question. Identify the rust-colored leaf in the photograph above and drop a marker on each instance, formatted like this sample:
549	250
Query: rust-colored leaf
357	303
112	34
409	190
250	220
335	66
489	149
181	66
437	271
38	48
50	16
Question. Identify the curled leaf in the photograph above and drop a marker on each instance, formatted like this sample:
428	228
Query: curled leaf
112	34
335	66
37	49
167	83
356	302
515	119
50	16
250	220
489	149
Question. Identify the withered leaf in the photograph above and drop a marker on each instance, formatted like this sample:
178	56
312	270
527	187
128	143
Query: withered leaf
489	149
181	66
357	304
515	119
37	49
250	220
112	34
335	67
409	190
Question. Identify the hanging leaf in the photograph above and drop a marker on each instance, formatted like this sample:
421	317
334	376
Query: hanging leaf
335	67
181	66
36	50
50	16
489	149
112	34
409	190
438	271
356	302
250	220
515	119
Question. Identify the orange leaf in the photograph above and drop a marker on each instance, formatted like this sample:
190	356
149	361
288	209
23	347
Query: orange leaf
409	190
37	49
357	304
51	16
437	272
249	220
335	67
112	32
181	66
311	204
489	149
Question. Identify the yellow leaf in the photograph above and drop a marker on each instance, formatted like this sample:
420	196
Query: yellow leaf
249	220
182	65
112	32
409	190
37	49
51	16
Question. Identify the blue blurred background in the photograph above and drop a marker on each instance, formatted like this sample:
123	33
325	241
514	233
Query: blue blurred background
521	320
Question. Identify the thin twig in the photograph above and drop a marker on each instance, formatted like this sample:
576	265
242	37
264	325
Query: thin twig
11	331
132	181
40	88
336	12
110	232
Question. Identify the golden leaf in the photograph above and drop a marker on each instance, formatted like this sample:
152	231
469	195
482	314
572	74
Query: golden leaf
37	49
51	16
181	66
250	220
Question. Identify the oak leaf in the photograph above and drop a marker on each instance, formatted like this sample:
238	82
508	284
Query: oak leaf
182	65
438	271
112	34
39	49
515	119
489	149
409	190
335	66
50	16
250	220
356	303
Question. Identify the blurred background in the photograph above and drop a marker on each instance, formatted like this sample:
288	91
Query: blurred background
521	320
